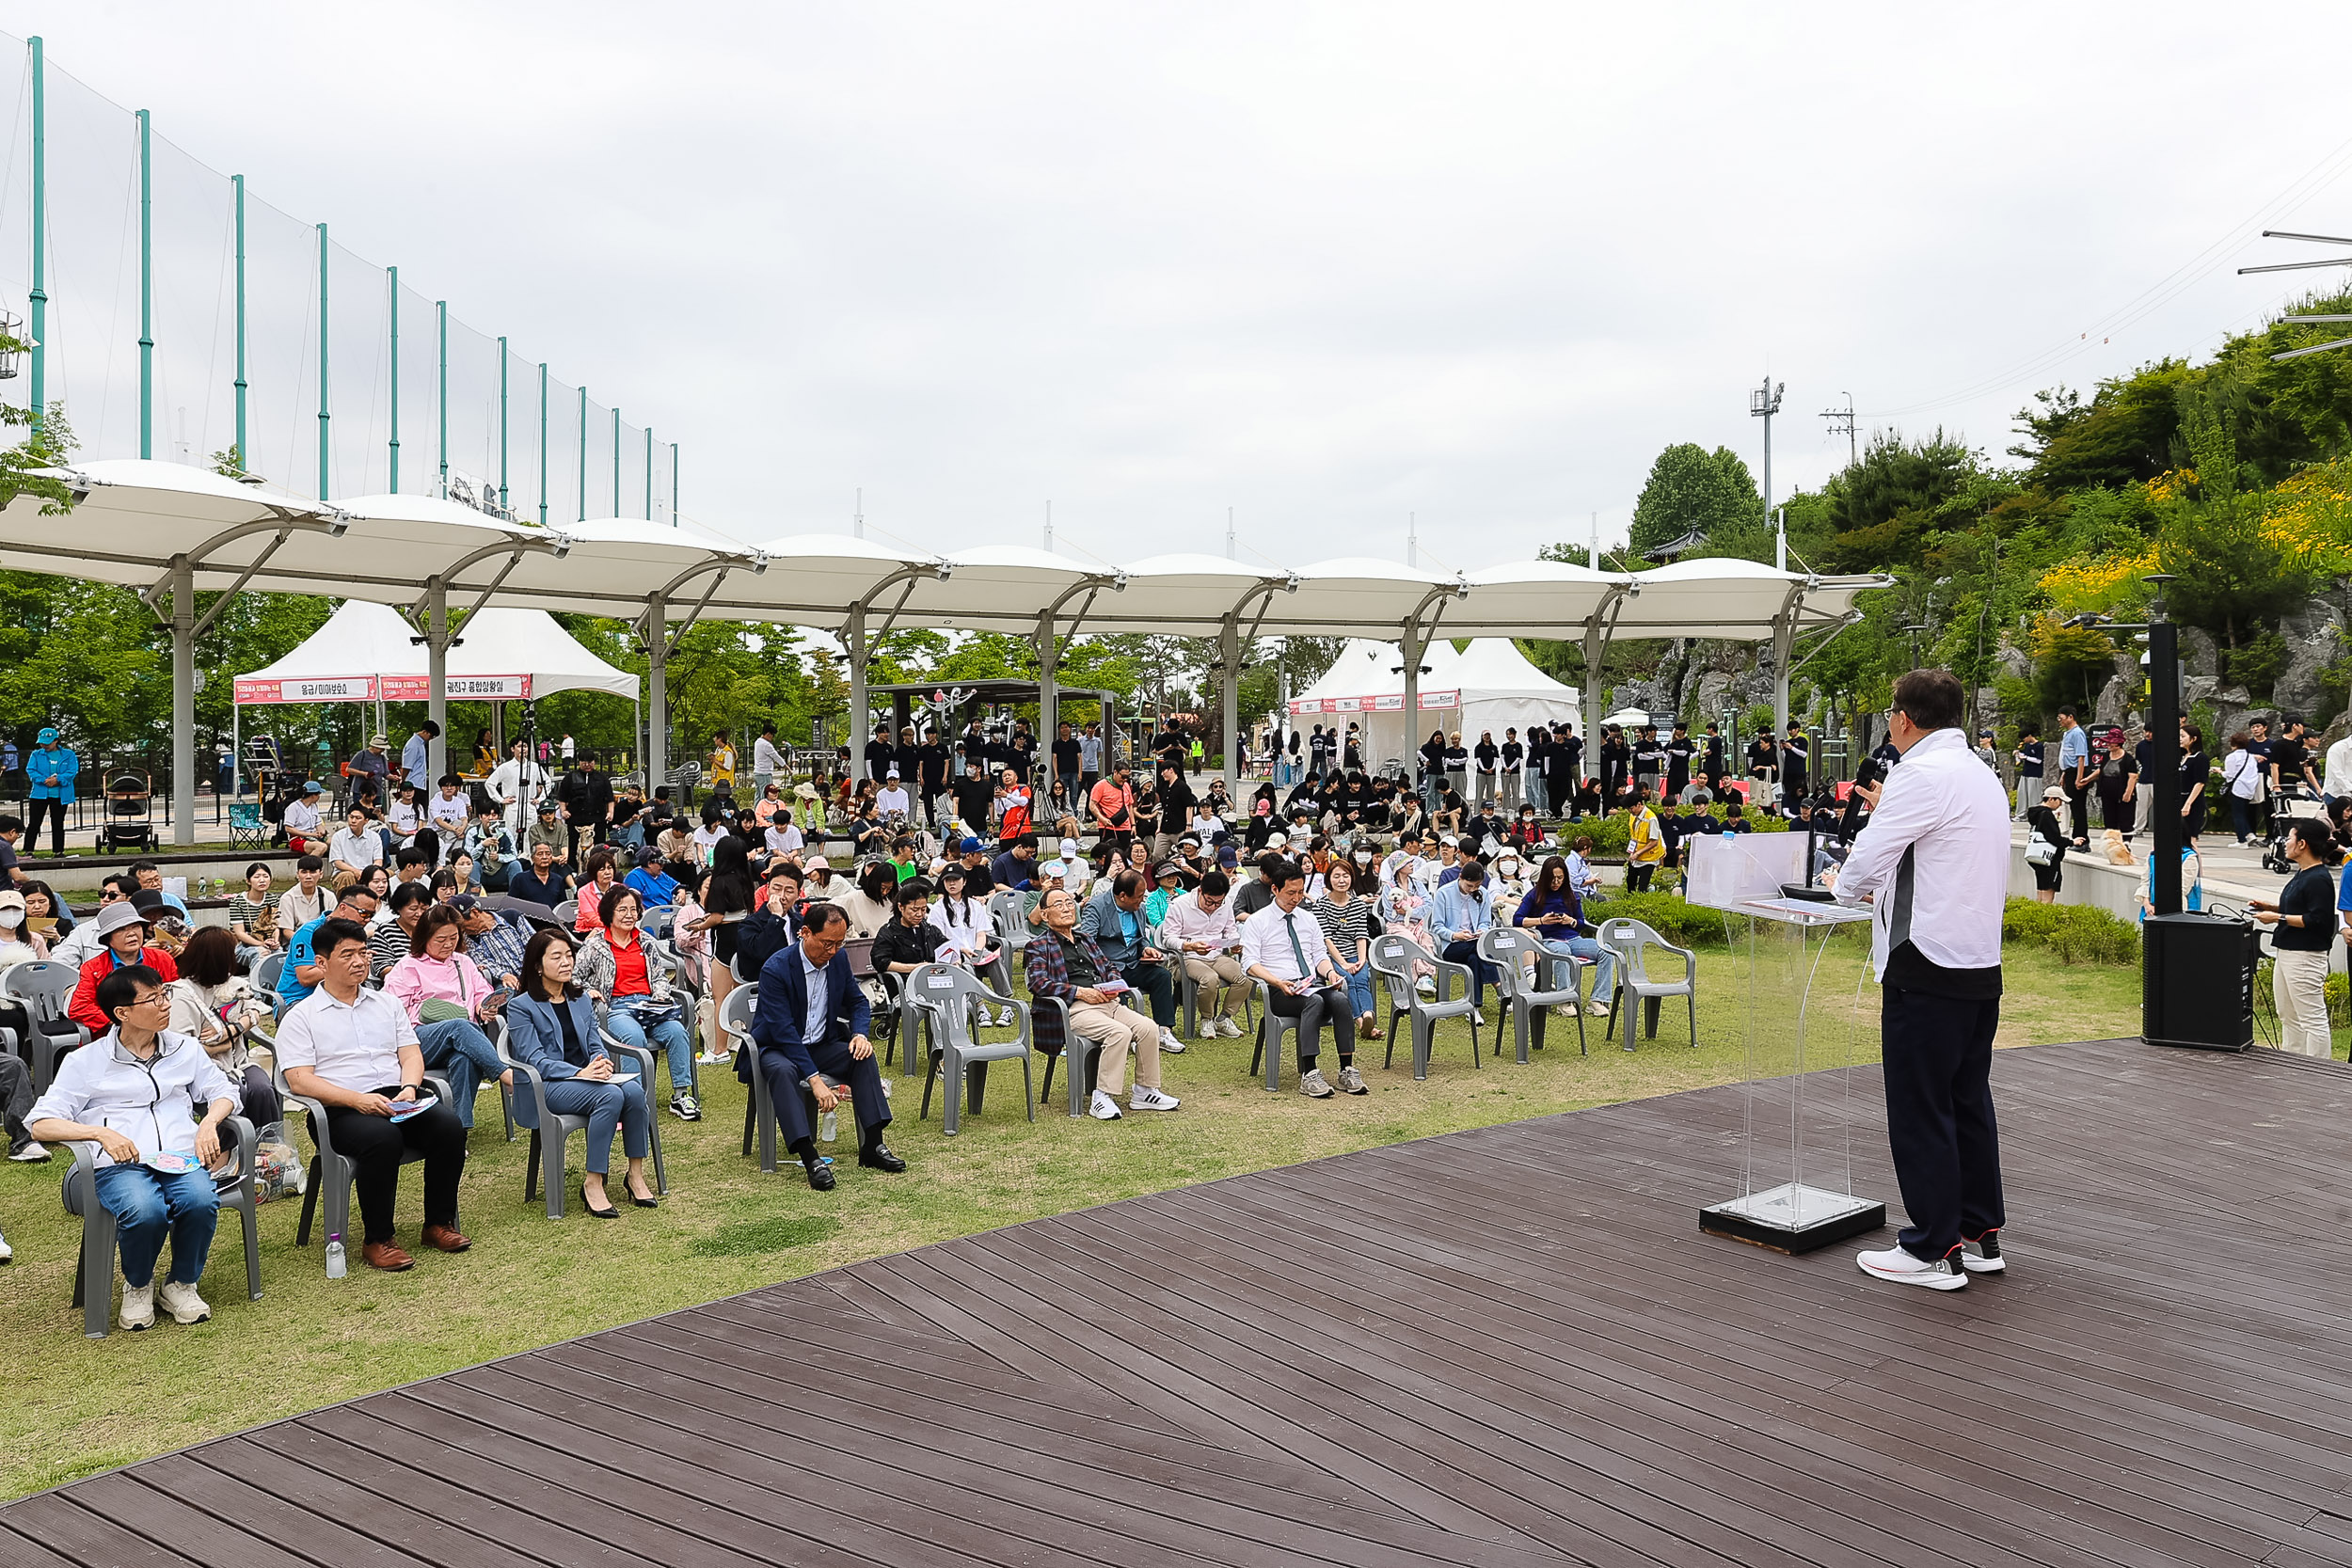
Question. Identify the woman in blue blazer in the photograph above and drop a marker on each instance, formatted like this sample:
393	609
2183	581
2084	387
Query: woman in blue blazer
551	1028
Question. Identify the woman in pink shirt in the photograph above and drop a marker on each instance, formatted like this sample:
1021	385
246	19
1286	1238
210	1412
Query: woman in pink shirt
448	1000
590	920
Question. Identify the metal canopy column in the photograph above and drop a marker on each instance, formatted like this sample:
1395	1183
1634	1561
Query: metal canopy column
1229	679
859	648
1412	645
1049	654
656	637
1784	650
1598	629
429	616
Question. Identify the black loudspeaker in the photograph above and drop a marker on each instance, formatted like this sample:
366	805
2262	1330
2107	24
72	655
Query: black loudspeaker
2197	981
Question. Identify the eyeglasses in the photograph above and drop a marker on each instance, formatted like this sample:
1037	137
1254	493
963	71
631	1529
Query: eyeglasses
151	999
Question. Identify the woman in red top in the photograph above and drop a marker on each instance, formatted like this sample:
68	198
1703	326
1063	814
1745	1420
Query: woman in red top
635	998
123	939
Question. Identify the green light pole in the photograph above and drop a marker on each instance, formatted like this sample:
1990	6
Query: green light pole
323	465
501	424
40	297
542	444
396	276
147	294
245	460
440	308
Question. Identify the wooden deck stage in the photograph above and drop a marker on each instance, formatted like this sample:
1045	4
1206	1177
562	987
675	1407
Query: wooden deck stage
1501	1347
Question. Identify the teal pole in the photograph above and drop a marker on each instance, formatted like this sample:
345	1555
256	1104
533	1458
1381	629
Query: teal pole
245	460
147	295
40	297
542	444
395	275
440	308
650	473
324	467
617	462
501	424
584	454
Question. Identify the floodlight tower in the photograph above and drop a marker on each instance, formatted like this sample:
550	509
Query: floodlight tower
1763	403
2306	266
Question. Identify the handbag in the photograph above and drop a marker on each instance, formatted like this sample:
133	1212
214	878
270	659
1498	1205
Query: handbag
2039	850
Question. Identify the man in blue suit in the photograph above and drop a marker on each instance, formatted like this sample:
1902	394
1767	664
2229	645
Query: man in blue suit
810	1028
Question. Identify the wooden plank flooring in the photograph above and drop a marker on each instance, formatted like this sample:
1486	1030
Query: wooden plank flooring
1504	1347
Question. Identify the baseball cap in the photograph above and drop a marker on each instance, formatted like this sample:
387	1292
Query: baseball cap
892	774
1069	849
546	808
649	856
465	903
816	862
311	786
1227	857
1165	871
1276	841
970	846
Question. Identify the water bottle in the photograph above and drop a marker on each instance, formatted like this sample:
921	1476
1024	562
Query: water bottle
335	1257
828	1125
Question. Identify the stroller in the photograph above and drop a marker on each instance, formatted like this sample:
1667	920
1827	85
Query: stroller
127	814
2284	808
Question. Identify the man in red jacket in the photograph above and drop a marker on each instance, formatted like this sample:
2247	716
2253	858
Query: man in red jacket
121	939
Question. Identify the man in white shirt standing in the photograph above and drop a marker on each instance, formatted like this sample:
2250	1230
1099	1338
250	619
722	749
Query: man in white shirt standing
518	784
767	762
1934	862
1283	947
2337	779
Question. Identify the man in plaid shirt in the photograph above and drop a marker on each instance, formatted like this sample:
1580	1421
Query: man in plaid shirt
1064	964
495	945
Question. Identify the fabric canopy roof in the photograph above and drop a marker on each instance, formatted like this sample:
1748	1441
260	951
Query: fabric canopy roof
366	652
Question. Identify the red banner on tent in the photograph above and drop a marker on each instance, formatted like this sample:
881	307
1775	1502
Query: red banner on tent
333	689
460	689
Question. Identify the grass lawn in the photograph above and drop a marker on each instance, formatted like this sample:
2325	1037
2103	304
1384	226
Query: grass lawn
78	1406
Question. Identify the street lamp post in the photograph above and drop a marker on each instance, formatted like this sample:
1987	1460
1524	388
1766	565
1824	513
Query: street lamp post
1763	403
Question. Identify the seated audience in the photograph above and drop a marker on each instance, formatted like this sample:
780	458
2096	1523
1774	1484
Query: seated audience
552	1027
447	1001
216	1007
625	980
1283	947
300	975
122	933
809	1028
1064	964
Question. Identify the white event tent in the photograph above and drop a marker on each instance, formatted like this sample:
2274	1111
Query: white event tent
1488	686
172	532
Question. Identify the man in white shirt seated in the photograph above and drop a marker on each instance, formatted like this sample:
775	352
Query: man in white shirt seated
133	1092
893	797
306	901
354	1050
306	825
448	813
1283	947
1201	926
355	847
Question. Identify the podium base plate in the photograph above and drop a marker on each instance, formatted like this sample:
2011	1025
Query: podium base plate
1794	1219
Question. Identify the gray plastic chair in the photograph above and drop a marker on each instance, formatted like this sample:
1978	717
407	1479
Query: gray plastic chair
1392	958
546	1157
332	1174
1012	926
1519	963
1269	1029
1630	938
659	920
943	996
44	987
265	974
94	1275
1075	1046
566	913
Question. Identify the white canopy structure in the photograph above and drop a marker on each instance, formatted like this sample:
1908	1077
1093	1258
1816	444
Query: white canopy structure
173	532
1488	686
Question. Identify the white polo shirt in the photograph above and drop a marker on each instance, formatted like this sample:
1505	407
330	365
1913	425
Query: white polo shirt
353	1045
362	849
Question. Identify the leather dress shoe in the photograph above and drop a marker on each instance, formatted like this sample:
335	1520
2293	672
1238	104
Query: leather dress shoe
385	1255
878	1157
819	1177
444	1238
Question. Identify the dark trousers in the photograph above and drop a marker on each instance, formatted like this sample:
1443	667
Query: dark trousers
2077	808
258	1097
56	826
1311	1011
376	1145
2116	811
794	1110
1159	984
1637	876
1939	1117
1465	952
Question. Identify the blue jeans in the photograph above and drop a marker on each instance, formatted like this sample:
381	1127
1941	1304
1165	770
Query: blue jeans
146	1205
1605	962
1359	989
458	1050
668	1037
619	1103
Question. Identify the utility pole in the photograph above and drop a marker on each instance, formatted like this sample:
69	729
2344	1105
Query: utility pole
1764	402
1842	423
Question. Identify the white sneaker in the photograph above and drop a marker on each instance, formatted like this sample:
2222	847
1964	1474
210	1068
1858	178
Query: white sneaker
1170	1044
1987	1257
1142	1098
1229	1028
183	1302
1903	1268
1313	1086
1426	985
712	1058
1004	1018
138	1307
1103	1107
8	1253
31	1154
1597	1009
1352	1082
1478	1020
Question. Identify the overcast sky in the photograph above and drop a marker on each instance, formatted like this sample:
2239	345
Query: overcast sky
1328	265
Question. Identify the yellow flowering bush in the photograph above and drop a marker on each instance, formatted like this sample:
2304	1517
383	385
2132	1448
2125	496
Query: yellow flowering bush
2086	584
2309	518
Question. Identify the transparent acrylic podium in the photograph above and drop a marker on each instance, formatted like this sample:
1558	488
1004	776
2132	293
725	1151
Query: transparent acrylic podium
1806	964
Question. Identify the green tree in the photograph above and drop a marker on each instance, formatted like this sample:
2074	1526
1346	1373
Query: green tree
1692	488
